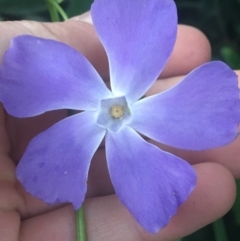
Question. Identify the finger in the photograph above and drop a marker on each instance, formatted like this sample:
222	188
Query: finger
99	171
4	140
10	200
8	196
107	219
12	195
79	35
58	225
9	225
192	47
228	155
212	198
160	86
22	130
190	51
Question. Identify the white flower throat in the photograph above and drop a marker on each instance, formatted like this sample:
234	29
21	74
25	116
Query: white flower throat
114	113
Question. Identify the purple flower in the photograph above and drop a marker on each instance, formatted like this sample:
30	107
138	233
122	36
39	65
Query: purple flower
201	112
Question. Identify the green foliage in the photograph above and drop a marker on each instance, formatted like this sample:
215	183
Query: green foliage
220	230
231	56
21	7
77	7
55	10
38	9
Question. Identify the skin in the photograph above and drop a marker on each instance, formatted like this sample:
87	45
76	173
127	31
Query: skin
25	218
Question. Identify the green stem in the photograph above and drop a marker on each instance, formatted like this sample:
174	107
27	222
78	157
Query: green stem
219	230
81	225
52	11
59	9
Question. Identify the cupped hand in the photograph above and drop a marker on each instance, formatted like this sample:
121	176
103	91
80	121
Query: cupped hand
25	218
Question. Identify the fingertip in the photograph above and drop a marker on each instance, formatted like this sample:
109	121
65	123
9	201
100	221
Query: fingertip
57	225
212	198
215	190
191	49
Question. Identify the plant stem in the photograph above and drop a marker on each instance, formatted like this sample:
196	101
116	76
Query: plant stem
58	9
52	11
81	225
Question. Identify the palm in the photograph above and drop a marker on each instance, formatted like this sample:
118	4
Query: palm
214	181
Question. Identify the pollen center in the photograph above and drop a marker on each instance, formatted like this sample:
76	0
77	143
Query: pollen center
117	111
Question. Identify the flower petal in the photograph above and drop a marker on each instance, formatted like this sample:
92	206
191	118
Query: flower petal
201	112
38	75
151	183
55	165
138	37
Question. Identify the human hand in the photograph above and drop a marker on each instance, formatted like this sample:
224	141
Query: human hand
106	217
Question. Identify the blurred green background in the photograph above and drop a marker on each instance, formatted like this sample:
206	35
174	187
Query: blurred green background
218	19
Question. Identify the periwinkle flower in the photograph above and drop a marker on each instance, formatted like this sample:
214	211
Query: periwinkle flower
200	112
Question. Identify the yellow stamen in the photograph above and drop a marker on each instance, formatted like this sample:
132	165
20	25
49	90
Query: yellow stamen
117	111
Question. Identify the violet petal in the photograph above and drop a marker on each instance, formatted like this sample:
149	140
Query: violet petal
151	183
138	37
39	75
201	112
55	165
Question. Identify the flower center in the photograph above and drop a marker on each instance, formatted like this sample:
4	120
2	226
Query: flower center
117	111
114	113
